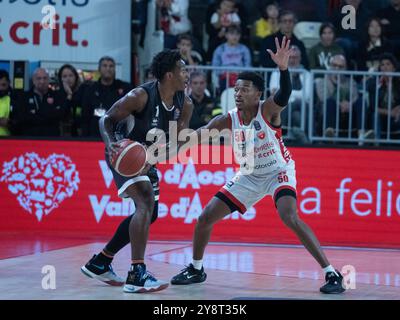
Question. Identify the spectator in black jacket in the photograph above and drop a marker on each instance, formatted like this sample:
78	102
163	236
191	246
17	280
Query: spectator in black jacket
204	106
100	96
348	38
373	45
39	112
71	92
287	21
390	19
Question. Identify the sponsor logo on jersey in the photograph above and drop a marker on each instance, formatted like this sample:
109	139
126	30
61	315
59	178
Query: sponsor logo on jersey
261	135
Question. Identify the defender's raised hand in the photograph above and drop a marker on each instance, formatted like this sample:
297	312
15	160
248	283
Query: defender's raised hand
283	52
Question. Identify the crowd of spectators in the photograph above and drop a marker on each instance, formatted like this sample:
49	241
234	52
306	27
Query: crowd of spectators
238	35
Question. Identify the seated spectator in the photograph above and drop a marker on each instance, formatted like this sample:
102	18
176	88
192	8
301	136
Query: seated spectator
71	92
174	20
221	16
339	100
322	52
40	111
204	106
301	91
268	23
348	38
390	19
372	47
6	103
185	47
100	96
287	21
231	54
387	87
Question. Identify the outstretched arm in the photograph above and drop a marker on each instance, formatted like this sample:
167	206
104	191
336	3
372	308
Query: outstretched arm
274	105
218	126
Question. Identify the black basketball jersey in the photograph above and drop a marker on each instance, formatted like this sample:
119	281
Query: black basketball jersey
154	115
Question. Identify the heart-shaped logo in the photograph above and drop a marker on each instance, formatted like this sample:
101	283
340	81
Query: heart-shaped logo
40	185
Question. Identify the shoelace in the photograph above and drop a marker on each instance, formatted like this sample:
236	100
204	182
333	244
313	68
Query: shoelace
149	275
332	278
187	267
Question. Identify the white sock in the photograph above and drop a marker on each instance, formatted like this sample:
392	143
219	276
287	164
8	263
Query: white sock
197	264
330	269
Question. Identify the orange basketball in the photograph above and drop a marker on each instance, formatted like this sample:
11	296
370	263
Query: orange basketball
130	158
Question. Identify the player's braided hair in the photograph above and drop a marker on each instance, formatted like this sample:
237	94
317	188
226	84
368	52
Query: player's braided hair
164	62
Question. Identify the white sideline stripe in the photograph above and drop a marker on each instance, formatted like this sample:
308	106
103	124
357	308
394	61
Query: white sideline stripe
123	153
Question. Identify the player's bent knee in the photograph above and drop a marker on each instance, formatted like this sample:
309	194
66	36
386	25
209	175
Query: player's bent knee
290	218
205	219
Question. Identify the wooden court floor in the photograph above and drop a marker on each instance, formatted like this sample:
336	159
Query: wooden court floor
235	271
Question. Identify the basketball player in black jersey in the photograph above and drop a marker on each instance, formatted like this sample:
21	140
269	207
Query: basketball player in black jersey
150	106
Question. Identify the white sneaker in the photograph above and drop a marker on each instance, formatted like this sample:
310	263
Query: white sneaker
102	272
141	281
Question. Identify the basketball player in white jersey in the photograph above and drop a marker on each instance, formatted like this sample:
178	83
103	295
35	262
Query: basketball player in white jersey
271	171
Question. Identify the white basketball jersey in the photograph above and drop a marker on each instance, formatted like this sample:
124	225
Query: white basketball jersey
258	147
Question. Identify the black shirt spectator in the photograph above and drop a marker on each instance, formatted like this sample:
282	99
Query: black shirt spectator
287	22
372	46
202	112
39	112
349	39
390	18
203	105
100	96
71	92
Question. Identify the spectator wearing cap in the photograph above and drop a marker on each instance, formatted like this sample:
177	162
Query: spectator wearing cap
100	96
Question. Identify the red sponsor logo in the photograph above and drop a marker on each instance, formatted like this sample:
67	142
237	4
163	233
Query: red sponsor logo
23	33
261	135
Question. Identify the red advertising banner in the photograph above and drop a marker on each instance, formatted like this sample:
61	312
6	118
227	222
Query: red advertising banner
348	197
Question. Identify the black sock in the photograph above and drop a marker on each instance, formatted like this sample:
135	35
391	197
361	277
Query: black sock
121	236
133	265
103	259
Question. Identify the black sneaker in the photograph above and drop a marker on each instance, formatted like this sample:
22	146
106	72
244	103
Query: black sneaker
141	281
189	275
103	272
334	283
